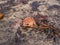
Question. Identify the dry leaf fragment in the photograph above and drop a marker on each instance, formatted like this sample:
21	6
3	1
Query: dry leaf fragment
41	19
1	15
44	26
29	21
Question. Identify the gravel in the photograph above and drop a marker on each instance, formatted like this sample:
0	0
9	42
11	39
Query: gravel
10	34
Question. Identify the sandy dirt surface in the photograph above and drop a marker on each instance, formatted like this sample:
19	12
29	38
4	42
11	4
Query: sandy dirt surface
13	34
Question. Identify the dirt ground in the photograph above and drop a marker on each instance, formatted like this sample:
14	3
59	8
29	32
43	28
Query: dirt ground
11	34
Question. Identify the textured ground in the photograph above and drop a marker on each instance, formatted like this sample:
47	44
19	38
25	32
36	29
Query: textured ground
21	9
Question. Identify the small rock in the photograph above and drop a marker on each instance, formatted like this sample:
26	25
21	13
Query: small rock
35	5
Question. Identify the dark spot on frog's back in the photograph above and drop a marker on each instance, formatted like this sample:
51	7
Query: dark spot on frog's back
35	5
54	6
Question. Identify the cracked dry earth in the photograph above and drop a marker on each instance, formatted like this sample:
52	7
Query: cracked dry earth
13	34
